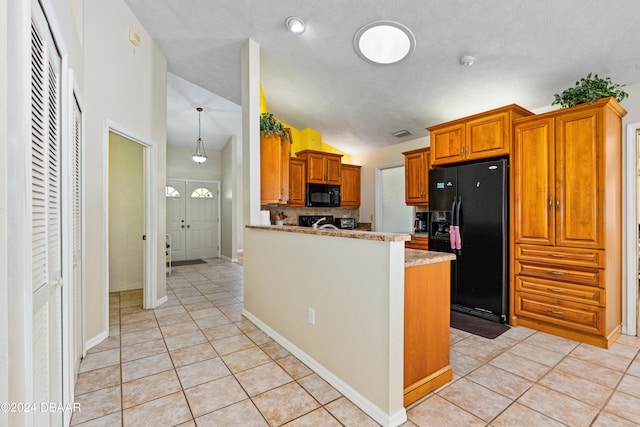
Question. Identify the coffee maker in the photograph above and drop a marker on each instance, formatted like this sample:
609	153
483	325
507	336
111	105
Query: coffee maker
421	224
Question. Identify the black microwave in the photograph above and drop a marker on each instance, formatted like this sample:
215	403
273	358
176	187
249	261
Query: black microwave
323	195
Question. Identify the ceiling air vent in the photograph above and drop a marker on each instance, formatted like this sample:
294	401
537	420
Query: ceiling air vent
401	133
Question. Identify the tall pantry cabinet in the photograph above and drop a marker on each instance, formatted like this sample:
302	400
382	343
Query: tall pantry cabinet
566	219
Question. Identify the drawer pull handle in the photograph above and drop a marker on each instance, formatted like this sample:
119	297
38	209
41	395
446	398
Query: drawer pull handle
558	291
556	255
557	273
556	312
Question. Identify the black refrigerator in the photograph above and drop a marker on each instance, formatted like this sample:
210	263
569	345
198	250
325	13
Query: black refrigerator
468	213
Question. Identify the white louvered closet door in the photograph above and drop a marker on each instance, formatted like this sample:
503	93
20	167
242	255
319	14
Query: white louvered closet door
76	197
46	222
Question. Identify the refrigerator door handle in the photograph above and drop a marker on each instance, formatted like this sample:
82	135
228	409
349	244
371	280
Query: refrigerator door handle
458	230
452	226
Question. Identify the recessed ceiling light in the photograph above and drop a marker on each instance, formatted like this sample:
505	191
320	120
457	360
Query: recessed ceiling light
295	24
384	42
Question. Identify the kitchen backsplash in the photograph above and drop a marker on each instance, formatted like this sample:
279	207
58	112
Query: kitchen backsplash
292	213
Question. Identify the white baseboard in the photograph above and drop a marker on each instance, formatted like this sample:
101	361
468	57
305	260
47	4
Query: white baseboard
380	416
92	342
160	301
229	259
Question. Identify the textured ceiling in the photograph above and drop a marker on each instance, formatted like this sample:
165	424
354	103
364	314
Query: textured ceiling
526	50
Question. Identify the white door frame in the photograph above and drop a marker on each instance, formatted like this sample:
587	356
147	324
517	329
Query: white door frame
217	186
630	232
150	168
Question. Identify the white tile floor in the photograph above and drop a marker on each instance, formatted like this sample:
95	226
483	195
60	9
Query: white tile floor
197	361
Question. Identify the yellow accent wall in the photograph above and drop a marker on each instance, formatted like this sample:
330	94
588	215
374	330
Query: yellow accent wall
305	139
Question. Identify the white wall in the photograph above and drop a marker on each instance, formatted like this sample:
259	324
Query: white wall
180	165
126	214
357	339
126	87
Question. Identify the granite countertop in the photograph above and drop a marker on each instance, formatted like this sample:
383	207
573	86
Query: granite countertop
420	234
415	257
350	234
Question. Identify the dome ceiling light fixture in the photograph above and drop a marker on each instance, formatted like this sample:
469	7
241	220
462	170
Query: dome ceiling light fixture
295	25
199	156
384	42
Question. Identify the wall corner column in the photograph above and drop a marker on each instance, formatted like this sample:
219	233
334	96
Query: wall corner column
251	131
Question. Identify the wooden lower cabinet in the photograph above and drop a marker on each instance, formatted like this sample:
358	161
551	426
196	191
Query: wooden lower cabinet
426	329
566	292
417	242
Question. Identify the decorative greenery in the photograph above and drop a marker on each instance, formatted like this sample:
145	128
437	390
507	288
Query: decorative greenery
269	125
589	90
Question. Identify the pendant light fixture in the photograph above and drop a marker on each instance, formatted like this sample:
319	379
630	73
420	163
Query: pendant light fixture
199	156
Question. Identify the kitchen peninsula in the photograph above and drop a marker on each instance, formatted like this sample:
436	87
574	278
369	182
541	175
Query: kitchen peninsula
366	314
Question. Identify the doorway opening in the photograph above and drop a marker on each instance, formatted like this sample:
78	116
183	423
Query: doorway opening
126	214
394	214
148	166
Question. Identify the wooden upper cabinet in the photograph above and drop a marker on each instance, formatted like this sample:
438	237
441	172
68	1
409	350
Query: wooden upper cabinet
322	168
448	144
580	180
316	167
475	137
274	169
350	186
559	181
533	185
416	183
297	187
488	136
334	169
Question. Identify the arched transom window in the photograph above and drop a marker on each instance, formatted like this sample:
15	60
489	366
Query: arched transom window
201	193
171	192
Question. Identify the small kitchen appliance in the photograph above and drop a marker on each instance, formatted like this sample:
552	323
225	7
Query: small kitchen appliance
421	224
323	196
345	223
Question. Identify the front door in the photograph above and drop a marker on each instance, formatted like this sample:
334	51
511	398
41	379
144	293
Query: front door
193	219
202	220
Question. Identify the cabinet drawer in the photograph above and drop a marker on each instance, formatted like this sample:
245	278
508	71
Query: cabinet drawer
585	276
576	316
566	256
566	291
